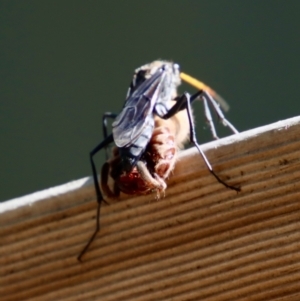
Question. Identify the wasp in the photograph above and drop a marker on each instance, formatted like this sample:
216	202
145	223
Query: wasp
152	126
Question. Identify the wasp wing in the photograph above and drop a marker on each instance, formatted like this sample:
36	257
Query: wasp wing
129	124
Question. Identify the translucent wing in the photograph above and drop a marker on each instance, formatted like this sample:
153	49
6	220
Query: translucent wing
130	123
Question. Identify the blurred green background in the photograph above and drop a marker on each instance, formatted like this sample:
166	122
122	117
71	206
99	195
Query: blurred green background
64	63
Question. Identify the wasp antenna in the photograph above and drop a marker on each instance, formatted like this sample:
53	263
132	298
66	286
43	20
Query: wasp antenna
202	86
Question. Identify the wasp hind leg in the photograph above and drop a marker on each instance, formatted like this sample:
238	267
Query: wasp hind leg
209	119
206	97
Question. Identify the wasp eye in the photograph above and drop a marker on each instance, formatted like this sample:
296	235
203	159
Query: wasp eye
176	68
141	74
140	77
163	68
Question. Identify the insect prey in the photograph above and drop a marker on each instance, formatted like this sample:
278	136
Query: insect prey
153	125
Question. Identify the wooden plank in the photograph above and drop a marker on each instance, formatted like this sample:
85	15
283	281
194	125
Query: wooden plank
199	242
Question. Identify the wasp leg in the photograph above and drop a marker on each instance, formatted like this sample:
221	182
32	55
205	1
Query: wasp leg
101	145
205	96
209	119
104	180
112	164
104	128
184	102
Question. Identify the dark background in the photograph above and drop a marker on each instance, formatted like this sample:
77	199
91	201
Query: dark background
64	63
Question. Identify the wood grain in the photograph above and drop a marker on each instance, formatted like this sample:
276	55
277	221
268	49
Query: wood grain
199	242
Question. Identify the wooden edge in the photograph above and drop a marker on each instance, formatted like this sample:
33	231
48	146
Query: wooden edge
199	242
58	197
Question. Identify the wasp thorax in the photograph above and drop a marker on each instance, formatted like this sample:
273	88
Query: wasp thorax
171	80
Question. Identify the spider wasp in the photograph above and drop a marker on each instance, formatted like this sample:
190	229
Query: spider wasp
153	125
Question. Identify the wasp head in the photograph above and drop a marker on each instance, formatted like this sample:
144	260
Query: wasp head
170	82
